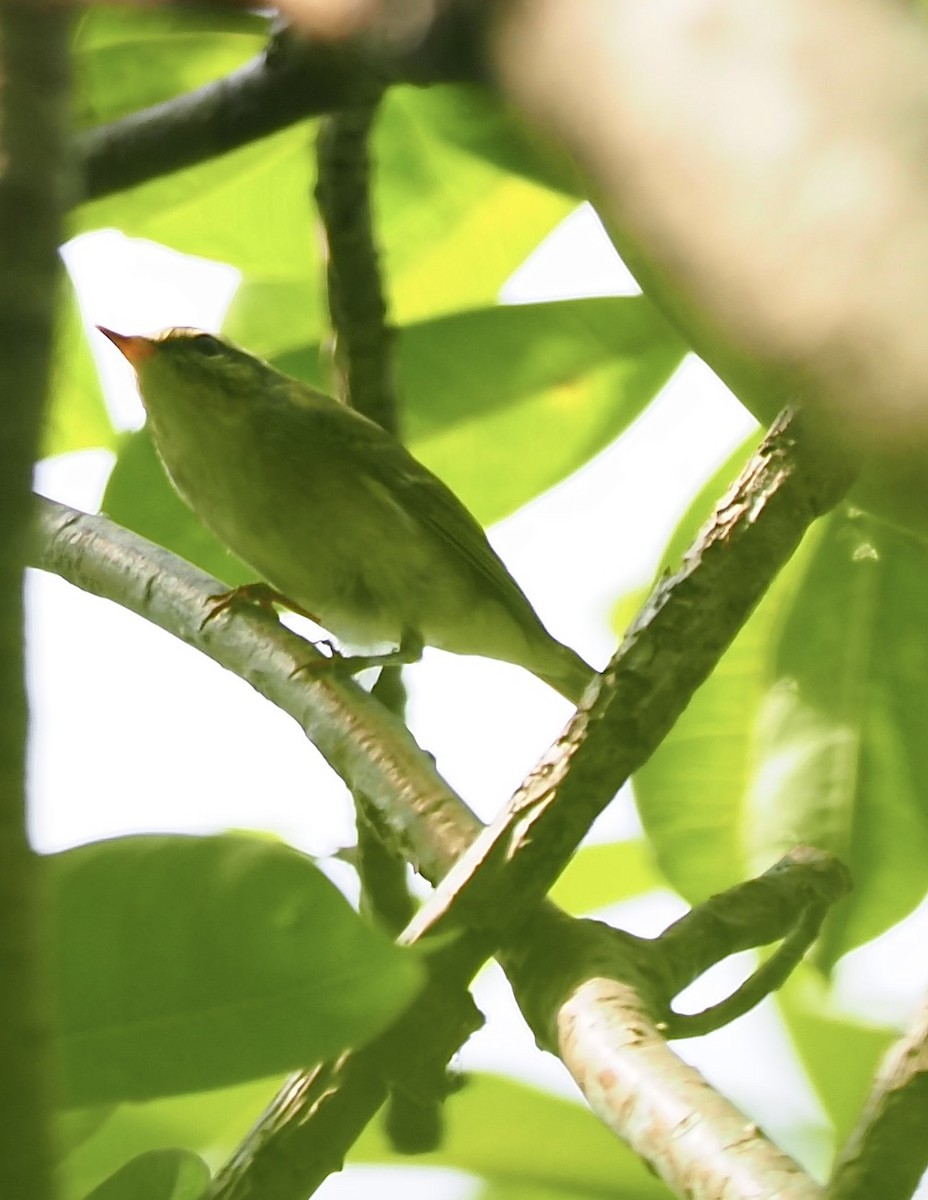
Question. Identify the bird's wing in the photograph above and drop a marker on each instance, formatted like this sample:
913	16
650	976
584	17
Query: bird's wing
425	499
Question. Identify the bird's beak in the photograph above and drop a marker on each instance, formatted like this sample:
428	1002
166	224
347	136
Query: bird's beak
136	349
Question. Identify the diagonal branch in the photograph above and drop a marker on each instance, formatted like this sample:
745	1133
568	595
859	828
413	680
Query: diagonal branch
673	645
288	82
887	1153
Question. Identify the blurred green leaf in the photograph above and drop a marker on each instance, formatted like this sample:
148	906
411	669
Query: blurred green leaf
183	963
841	737
452	228
517	1189
140	496
157	1175
558	381
249	208
809	730
606	874
480	121
503	1130
130	58
77	417
210	1124
706	501
840	1054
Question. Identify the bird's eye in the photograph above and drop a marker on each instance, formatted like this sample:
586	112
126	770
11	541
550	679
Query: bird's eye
208	345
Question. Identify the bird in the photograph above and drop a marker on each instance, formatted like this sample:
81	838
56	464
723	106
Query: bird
333	512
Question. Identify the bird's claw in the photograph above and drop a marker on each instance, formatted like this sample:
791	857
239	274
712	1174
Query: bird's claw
260	595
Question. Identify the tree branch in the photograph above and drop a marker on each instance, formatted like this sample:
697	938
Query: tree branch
34	87
292	80
491	895
673	645
366	745
887	1153
600	998
789	901
591	994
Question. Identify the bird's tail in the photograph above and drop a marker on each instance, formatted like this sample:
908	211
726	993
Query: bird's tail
571	676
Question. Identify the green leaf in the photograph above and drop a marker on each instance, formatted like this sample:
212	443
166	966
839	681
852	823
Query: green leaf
841	737
506	1131
210	1124
183	963
77	417
606	874
157	1175
480	121
140	496
840	1054
452	228
558	382
249	208
127	59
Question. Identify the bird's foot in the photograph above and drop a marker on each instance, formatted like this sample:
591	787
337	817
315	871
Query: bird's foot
261	595
408	651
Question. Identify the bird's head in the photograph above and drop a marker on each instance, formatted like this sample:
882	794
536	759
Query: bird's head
183	365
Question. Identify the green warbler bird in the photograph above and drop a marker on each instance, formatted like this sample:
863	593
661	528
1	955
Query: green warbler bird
332	511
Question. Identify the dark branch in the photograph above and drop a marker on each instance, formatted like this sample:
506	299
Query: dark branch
789	901
292	80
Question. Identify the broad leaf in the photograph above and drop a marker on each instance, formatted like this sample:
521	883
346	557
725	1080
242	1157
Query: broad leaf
130	58
157	1175
606	874
481	122
839	1053
558	381
210	1124
841	740
184	963
691	793
506	1131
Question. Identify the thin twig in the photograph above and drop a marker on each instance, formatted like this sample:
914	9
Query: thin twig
789	901
364	362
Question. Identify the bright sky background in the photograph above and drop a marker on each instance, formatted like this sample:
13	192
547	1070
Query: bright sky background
133	731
